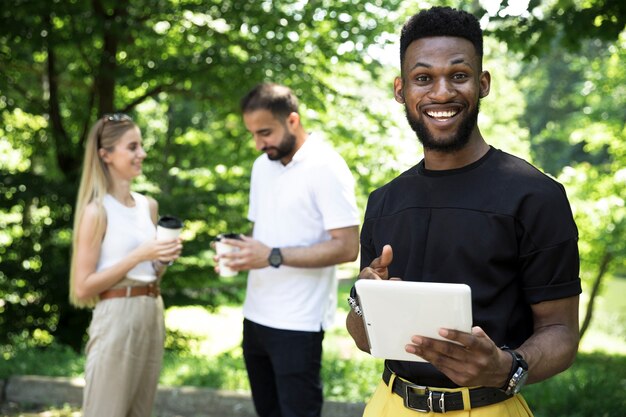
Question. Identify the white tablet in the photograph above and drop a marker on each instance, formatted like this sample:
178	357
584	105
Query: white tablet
393	311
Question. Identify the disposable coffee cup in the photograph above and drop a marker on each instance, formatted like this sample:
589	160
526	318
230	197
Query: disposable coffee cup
222	248
168	228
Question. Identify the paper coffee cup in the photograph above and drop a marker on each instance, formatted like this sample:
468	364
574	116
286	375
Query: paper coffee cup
168	228
222	248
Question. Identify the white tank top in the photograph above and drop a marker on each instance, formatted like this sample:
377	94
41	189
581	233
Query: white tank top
127	228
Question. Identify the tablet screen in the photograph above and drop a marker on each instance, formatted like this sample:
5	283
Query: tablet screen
394	311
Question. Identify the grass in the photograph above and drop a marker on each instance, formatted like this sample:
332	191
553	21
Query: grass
203	349
210	355
593	386
15	410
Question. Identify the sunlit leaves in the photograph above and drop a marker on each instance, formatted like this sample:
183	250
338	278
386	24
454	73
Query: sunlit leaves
181	67
599	203
564	23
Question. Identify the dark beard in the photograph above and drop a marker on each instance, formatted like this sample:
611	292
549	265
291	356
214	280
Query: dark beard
454	144
284	148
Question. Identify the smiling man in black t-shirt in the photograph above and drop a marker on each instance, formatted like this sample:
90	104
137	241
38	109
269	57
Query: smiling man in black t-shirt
469	213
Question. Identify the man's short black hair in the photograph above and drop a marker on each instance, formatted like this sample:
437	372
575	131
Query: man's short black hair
441	21
276	98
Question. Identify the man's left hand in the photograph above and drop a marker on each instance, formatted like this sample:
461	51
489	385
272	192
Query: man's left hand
252	254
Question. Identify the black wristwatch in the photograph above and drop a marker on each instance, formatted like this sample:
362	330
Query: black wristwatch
517	376
276	258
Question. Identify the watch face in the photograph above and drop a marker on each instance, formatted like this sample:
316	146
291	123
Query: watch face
521	380
275	259
518	380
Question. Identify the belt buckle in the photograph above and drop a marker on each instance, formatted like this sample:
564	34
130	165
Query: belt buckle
151	290
412	387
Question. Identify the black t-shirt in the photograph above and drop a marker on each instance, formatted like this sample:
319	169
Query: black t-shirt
499	225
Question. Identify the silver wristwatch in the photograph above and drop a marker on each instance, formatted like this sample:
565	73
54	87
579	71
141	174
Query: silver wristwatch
353	300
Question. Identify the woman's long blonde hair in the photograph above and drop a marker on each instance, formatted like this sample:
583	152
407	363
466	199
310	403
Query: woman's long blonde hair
95	182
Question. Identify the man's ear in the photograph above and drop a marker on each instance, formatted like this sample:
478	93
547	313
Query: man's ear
293	120
398	91
484	84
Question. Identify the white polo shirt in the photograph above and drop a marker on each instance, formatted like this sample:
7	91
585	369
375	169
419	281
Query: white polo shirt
295	205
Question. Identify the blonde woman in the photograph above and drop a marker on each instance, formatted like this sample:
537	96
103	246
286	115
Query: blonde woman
116	267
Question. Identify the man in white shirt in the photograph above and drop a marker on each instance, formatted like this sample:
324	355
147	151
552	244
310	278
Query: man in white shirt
306	221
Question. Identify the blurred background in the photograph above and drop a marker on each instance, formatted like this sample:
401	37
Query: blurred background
180	67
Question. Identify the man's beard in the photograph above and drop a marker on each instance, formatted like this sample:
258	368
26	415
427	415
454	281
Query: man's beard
449	145
284	148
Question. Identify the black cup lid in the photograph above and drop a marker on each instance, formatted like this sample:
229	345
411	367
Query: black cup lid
228	236
170	222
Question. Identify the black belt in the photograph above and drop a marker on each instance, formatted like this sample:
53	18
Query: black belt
423	399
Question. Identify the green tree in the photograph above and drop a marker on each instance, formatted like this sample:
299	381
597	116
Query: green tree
553	25
596	177
574	90
179	67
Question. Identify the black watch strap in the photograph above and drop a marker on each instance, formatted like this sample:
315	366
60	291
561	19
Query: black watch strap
517	375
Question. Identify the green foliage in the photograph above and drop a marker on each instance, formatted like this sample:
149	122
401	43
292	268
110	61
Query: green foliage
574	118
563	24
223	371
574	110
350	380
28	410
611	315
180	343
34	227
179	68
593	386
501	117
53	360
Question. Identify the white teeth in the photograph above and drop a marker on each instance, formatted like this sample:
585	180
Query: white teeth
441	114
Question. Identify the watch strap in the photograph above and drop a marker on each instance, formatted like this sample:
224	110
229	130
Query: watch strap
518	362
514	367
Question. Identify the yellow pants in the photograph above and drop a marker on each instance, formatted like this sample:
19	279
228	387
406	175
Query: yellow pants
385	403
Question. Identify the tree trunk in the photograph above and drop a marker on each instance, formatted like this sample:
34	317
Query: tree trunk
604	265
105	79
66	158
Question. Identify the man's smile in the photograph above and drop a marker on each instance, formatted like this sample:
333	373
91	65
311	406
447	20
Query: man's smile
441	115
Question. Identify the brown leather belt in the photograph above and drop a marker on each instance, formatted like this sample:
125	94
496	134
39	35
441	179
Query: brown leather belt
151	290
425	399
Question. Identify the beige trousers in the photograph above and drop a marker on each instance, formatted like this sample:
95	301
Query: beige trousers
124	356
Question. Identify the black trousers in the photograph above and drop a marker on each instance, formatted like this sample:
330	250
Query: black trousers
284	370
